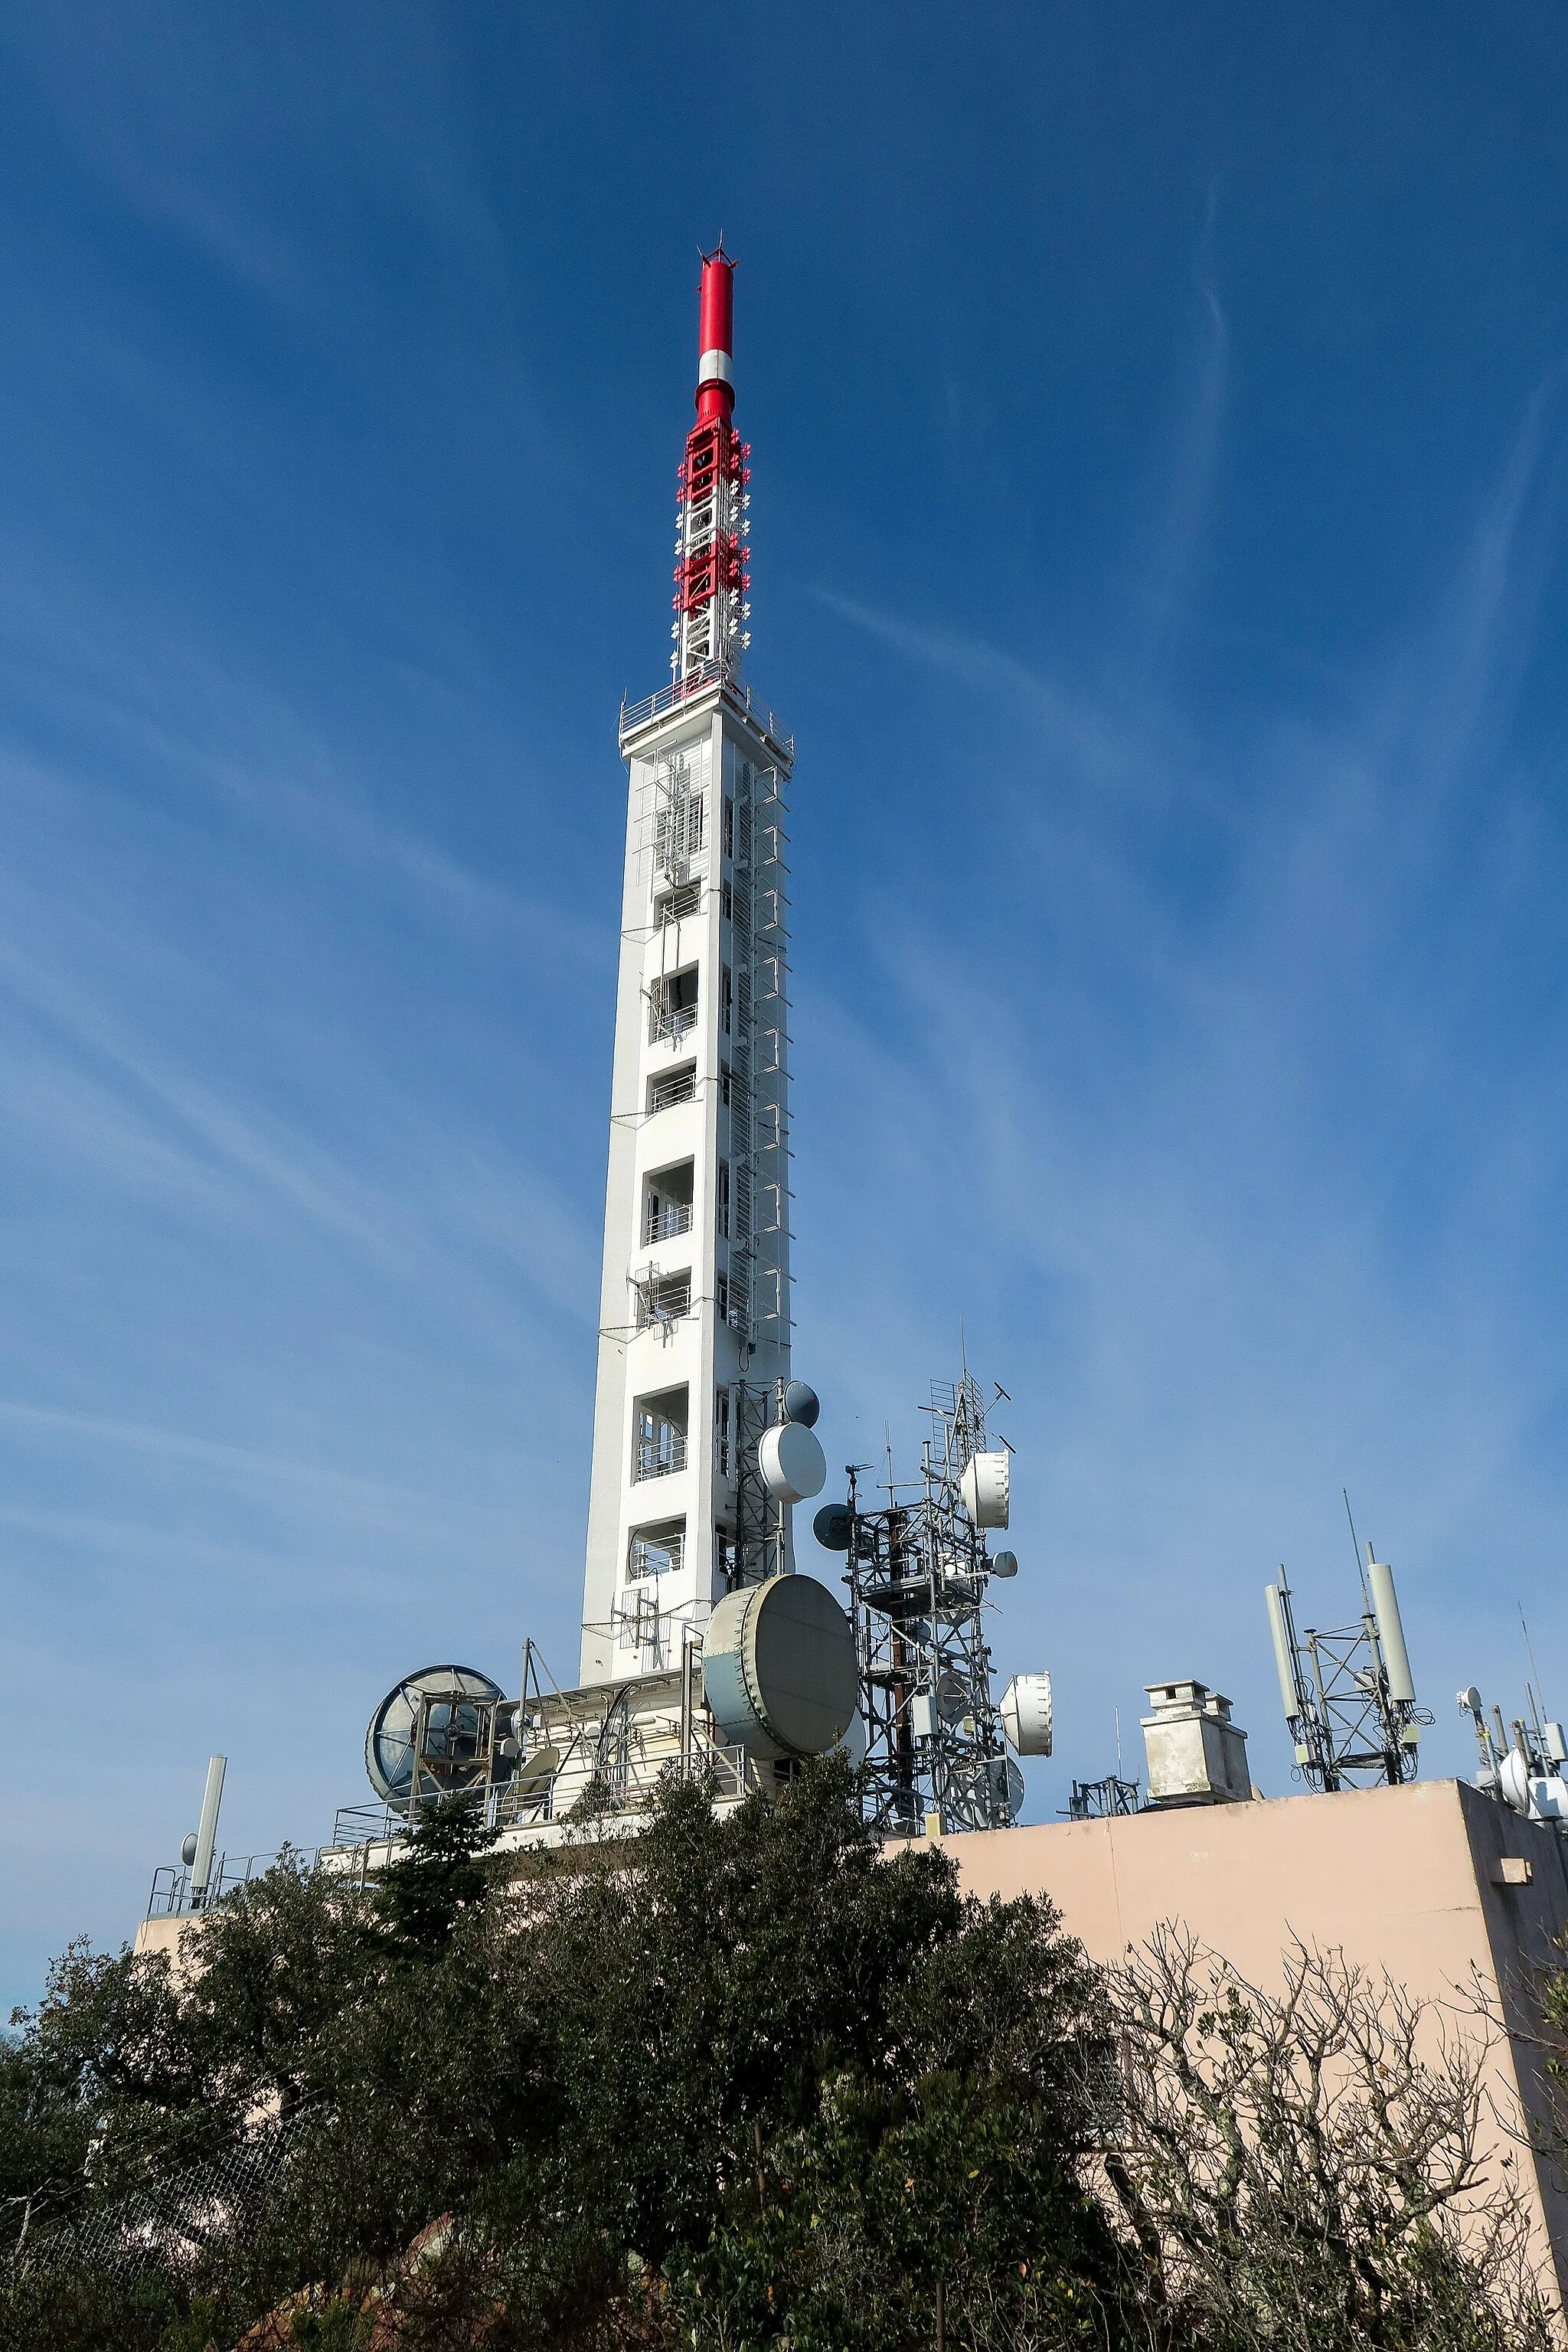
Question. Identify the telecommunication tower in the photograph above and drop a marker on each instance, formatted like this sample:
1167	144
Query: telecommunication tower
1347	1691
694	1323
917	1573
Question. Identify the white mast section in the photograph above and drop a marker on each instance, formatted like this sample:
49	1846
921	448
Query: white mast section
695	1303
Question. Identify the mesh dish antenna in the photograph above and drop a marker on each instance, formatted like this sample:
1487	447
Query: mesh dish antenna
437	1719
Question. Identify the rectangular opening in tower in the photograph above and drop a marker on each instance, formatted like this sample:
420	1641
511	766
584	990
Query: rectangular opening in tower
668	1196
672	1006
655	1550
674	1086
661	1422
677	905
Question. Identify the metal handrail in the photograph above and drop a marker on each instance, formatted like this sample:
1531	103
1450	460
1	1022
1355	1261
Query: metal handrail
356	1829
665	1223
636	715
679	1087
172	1896
673	1550
667	1024
659	1457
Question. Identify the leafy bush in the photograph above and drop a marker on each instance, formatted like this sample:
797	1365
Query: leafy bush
740	2082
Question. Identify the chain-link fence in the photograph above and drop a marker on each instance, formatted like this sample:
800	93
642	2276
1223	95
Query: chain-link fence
169	2224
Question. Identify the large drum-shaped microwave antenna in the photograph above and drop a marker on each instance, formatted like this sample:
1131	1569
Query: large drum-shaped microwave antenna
779	1670
454	1702
983	1487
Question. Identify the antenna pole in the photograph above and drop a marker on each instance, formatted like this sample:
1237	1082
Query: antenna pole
206	1836
1355	1546
1530	1653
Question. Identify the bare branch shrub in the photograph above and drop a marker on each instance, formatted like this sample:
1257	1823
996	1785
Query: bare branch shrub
1308	2171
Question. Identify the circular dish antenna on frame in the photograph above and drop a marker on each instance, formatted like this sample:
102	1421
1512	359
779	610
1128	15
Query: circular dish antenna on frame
984	1488
1025	1713
1513	1780
801	1403
832	1526
535	1773
1003	1563
454	1754
793	1463
779	1670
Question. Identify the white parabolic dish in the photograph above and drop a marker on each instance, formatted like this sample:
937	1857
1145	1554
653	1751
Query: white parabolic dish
983	1487
793	1463
1027	1714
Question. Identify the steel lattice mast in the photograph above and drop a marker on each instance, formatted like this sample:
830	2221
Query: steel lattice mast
711	520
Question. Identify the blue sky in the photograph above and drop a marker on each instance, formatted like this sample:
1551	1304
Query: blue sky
1158	424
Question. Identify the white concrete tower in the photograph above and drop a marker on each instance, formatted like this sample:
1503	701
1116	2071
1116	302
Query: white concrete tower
694	1335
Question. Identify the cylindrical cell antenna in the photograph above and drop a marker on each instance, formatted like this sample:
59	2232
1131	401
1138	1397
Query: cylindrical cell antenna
206	1833
1284	1655
1390	1632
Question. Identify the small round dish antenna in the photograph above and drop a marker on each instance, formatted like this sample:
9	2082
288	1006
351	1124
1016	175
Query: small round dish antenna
801	1403
535	1773
440	1721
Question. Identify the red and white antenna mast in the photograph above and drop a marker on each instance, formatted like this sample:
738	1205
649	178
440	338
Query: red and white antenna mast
711	527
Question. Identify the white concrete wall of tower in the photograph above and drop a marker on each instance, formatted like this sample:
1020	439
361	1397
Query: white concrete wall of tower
696	1284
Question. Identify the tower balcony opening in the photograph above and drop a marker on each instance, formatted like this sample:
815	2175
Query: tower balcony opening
672	1006
677	905
658	1449
674	1086
668	1202
663	1297
657	1550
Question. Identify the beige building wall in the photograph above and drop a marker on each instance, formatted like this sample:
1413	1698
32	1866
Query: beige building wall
165	1934
1409	1880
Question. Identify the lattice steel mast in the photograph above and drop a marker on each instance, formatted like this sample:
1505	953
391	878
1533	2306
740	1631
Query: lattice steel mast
917	1573
1346	1690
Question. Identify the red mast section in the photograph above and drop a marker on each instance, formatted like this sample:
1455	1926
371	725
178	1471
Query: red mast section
711	527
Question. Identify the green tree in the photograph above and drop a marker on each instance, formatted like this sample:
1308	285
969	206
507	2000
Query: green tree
437	1876
741	2085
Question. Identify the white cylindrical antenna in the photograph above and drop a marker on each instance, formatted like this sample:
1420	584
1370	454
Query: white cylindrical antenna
206	1836
1284	1657
1390	1632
